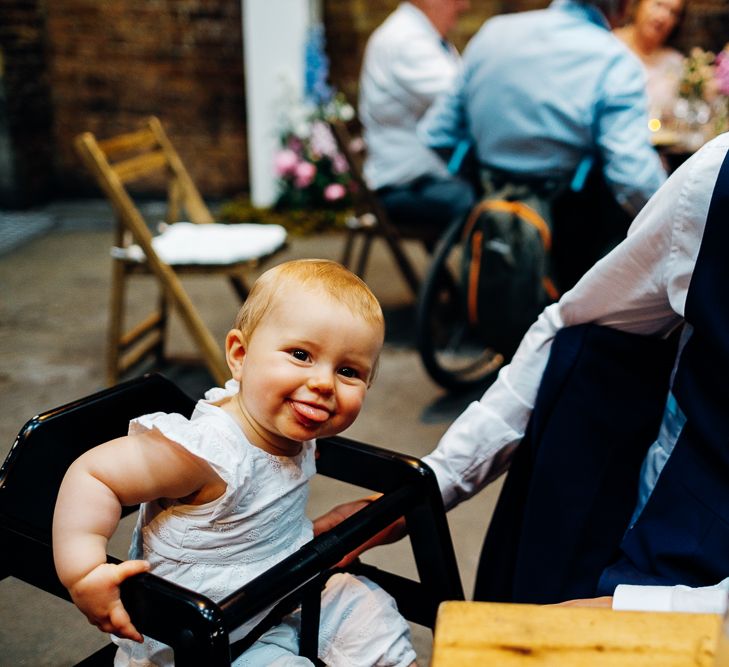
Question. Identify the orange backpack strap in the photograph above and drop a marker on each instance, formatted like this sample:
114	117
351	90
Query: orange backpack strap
523	211
518	208
474	269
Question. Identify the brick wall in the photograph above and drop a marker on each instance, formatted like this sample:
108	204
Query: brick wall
348	24
113	63
26	146
102	65
706	24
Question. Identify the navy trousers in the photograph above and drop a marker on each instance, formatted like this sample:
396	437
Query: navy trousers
572	486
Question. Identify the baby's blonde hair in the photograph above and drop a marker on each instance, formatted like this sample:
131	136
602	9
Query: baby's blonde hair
319	274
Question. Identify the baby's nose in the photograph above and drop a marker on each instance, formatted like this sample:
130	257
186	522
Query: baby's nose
322	381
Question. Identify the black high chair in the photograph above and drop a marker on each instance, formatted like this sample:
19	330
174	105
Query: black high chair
197	628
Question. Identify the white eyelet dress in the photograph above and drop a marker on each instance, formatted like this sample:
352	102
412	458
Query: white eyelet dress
260	519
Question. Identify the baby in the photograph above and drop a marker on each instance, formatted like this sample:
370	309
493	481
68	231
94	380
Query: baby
224	493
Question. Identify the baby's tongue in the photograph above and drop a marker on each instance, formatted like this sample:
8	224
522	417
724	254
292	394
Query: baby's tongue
310	411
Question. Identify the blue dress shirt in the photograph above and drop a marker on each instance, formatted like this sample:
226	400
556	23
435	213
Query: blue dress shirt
541	90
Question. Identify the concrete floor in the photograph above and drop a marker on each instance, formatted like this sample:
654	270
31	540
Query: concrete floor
53	313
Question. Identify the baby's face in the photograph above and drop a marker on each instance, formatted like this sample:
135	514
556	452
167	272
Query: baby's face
305	371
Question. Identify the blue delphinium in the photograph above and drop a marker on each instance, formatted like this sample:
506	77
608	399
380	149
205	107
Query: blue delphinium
316	89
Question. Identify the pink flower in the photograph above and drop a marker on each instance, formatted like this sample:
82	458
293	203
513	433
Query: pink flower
357	145
322	142
339	164
284	162
295	144
334	191
304	174
721	73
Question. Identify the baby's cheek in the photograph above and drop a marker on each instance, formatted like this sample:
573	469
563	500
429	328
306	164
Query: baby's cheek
354	405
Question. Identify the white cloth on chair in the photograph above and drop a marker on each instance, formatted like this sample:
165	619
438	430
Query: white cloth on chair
189	243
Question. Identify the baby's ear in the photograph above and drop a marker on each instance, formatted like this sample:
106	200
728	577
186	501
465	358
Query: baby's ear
235	351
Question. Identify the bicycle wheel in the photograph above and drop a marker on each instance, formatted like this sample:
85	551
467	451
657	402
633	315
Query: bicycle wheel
453	353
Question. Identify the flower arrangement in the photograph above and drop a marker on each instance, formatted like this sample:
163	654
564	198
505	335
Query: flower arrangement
698	75
721	71
311	172
721	82
314	184
704	90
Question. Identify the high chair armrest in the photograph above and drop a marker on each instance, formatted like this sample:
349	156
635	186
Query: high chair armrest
409	489
189	622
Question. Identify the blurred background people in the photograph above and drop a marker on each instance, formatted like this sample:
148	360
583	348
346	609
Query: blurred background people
653	23
407	64
541	94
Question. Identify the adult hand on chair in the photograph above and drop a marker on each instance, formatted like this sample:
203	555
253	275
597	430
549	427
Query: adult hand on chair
336	515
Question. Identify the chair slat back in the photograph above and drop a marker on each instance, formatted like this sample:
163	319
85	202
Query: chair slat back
135	156
367	204
365	200
345	143
128	216
129	141
190	197
139	166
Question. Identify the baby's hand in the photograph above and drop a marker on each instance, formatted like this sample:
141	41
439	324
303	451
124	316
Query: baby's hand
97	596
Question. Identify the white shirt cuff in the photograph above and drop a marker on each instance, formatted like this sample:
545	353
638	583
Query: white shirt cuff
670	598
642	598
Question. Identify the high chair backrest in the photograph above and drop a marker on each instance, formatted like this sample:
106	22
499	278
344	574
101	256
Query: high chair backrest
46	447
197	628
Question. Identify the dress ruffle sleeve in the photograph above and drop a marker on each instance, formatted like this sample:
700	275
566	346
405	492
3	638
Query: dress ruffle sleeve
205	437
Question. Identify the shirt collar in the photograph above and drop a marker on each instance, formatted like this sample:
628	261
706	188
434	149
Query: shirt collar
585	9
418	15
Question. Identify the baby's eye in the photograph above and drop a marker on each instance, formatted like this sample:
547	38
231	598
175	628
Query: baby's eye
300	355
349	372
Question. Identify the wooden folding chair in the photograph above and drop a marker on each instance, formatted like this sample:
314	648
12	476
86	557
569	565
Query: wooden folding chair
371	220
148	154
197	628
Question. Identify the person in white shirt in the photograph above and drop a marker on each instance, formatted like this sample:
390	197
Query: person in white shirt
667	274
407	64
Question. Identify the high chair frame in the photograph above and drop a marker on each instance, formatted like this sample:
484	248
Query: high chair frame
197	628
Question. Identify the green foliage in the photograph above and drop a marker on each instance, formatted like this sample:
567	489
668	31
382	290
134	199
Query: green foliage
297	221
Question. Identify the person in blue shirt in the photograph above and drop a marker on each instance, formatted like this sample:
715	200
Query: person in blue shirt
544	93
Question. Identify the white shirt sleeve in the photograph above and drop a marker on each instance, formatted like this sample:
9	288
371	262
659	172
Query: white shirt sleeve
640	287
423	84
706	600
444	123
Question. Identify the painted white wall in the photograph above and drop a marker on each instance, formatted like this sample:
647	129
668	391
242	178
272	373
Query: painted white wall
274	34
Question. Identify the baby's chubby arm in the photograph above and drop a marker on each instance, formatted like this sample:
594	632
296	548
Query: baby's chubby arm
125	471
